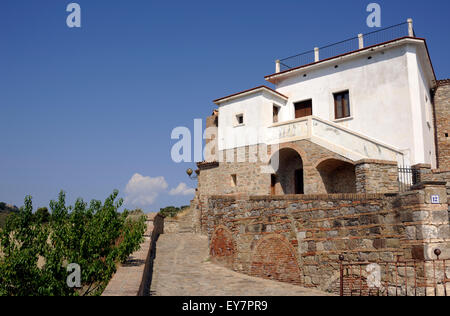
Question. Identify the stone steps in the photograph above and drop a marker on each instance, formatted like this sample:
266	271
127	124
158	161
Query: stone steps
186	223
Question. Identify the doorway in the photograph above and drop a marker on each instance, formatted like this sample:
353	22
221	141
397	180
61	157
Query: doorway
299	186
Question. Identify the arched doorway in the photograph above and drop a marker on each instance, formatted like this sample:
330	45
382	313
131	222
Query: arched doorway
338	176
288	177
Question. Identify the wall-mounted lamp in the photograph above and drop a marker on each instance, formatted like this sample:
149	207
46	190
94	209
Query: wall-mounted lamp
191	174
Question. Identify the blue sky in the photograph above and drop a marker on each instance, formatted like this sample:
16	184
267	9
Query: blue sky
84	110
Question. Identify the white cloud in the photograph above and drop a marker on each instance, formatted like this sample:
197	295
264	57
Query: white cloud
182	189
142	191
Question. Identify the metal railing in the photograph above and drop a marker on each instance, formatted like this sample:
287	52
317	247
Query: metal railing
349	45
398	278
407	177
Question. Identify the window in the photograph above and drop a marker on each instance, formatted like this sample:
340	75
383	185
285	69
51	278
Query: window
239	119
342	105
303	109
233	180
276	110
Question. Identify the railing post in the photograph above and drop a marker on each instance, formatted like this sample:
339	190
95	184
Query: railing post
316	54
410	28
277	66
361	41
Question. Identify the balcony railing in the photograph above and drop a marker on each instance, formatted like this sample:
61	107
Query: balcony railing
352	44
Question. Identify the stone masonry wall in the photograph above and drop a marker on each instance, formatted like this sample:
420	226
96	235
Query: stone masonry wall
215	178
298	239
376	176
442	121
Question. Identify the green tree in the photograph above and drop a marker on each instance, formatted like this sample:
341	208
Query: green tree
42	215
95	237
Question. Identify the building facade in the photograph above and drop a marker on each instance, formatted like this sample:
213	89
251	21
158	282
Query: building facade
343	124
311	173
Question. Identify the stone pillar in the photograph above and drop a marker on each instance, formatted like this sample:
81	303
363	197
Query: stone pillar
430	217
361	41
316	54
422	172
277	66
376	176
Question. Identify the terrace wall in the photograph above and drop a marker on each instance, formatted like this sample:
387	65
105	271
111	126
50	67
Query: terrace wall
298	239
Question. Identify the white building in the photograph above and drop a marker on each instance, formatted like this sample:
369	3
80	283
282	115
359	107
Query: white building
371	103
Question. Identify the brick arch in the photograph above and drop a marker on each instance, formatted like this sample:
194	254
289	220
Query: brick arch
222	247
338	176
274	258
292	146
323	160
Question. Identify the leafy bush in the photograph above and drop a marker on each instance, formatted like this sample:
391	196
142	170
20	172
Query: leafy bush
95	237
42	215
172	211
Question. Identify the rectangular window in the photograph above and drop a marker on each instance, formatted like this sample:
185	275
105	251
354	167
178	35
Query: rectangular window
240	119
342	105
276	111
303	109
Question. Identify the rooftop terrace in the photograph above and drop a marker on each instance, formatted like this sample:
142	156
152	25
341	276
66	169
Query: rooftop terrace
361	41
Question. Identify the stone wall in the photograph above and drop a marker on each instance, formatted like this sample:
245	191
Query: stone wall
171	226
324	172
216	177
298	239
376	176
442	123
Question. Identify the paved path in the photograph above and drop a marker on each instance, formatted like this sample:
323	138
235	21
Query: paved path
181	268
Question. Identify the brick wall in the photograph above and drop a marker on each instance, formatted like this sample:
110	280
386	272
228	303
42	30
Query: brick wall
442	121
298	239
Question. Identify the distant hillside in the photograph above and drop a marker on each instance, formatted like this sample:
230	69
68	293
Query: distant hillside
5	211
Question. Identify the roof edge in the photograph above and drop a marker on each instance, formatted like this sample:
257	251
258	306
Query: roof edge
253	90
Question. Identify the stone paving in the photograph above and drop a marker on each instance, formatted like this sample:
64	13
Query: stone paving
181	268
